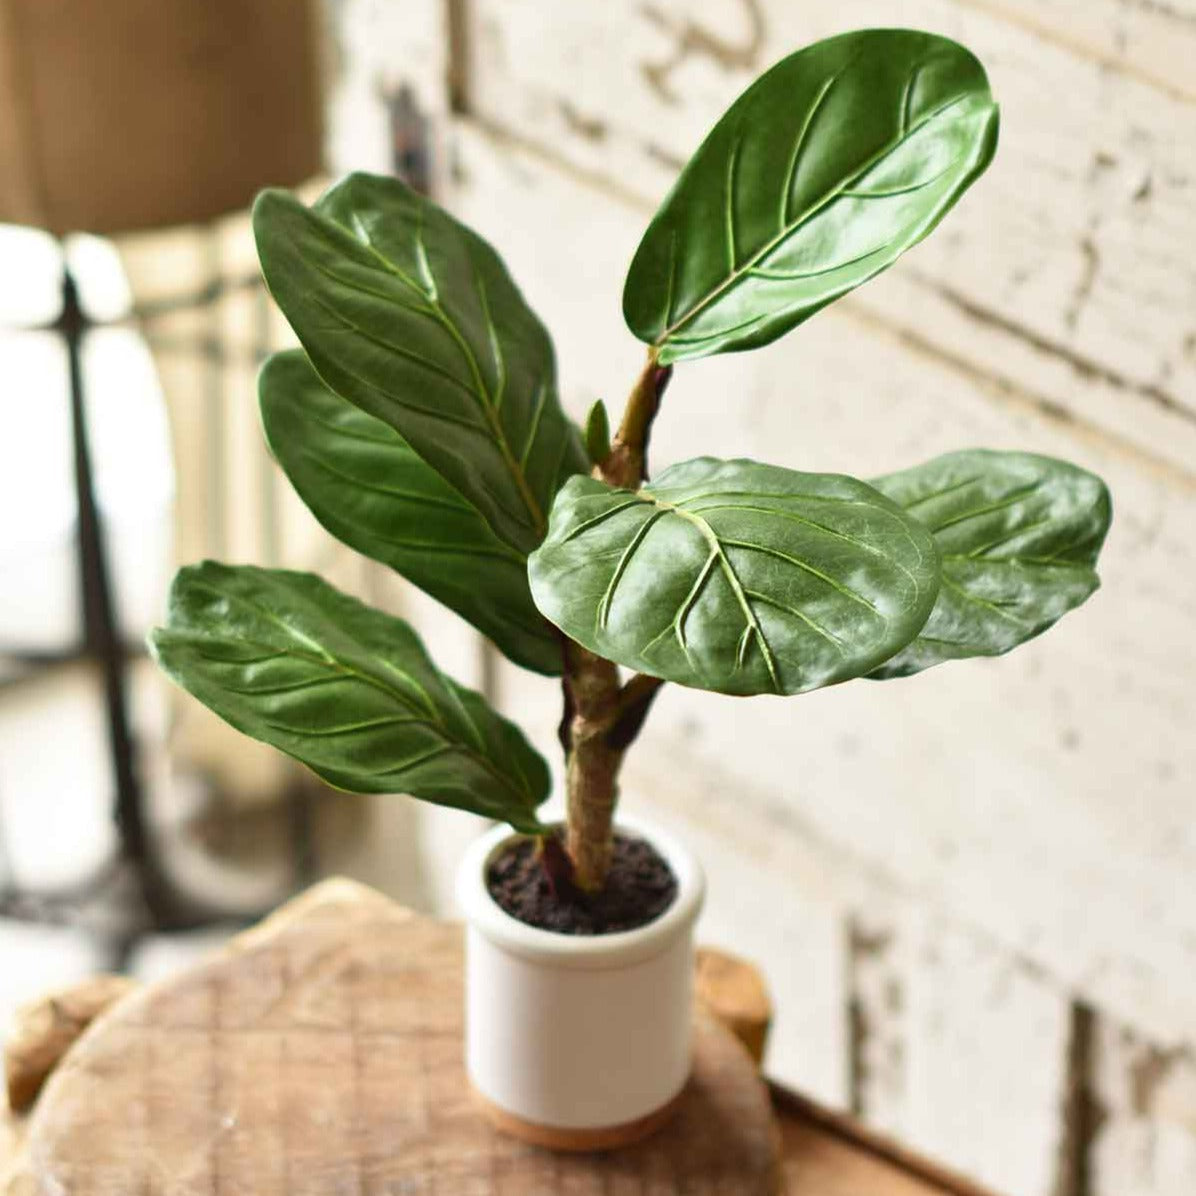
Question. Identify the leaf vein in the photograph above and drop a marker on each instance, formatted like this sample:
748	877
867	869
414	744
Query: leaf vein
1009	500
732	577
691	600
621	568
609	513
950	584
797	562
813	624
917	502
729	202
799	145
794	517
347	728
797	275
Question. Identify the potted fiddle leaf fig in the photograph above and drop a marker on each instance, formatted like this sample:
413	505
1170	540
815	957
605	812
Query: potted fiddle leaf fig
420	422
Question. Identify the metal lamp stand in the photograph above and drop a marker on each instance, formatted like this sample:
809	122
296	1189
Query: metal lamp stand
104	645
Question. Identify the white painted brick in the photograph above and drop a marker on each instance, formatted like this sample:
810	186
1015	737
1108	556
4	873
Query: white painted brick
960	1048
986	1060
380	46
1151	41
1146	1107
880	978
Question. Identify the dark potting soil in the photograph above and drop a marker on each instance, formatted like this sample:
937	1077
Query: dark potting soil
639	888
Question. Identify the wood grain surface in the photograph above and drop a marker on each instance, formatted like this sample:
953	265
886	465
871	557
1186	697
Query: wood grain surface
734	991
324	1056
42	1032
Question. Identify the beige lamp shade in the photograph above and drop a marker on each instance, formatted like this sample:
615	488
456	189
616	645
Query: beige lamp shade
118	115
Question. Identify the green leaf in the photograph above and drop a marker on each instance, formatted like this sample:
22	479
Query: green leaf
597	434
346	690
1019	536
370	490
819	176
736	577
412	317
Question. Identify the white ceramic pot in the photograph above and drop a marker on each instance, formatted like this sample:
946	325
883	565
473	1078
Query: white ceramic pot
578	1041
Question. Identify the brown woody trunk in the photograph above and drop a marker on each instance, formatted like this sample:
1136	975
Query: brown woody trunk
601	717
592	767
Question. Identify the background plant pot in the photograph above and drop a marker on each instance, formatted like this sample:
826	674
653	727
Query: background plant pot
578	1042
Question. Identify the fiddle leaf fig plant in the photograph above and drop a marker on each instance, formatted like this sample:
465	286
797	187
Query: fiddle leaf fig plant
420	423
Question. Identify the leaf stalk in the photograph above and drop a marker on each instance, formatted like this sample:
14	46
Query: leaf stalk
626	465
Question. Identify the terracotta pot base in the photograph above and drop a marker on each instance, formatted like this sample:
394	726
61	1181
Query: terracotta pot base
612	1137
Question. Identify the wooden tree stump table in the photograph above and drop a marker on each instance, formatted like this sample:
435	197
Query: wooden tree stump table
322	1055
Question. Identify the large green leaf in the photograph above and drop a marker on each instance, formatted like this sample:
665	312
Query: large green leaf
736	577
370	490
347	690
413	317
1019	536
819	176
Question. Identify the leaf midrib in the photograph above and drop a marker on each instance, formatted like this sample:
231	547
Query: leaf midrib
801	219
479	391
432	720
715	544
321	658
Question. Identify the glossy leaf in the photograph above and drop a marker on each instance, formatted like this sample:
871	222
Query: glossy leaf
412	317
346	690
1019	536
819	176
370	490
736	577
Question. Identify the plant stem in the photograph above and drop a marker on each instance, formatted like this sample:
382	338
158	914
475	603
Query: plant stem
603	717
606	718
627	464
591	771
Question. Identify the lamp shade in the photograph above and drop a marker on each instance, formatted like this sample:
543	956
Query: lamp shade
118	115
